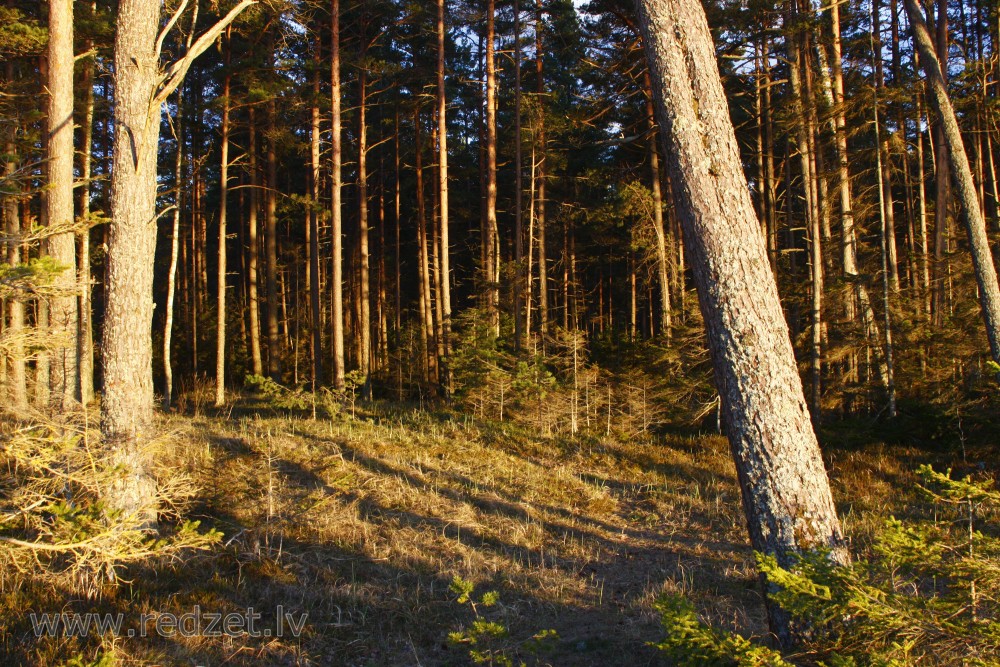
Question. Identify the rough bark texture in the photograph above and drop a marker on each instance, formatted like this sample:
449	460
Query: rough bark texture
786	494
127	402
63	371
972	214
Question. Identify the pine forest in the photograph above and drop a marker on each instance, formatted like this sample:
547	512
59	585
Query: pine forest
502	332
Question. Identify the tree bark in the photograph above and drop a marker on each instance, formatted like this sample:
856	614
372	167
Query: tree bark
666	324
542	150
175	237
220	314
274	348
364	296
490	238
63	307
315	313
17	377
85	324
423	258
972	214
253	243
127	401
336	224
786	494
445	261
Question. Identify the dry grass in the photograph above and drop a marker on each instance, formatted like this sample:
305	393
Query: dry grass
364	522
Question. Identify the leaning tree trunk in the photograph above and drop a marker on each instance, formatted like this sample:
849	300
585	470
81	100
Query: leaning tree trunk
972	214
63	369
786	494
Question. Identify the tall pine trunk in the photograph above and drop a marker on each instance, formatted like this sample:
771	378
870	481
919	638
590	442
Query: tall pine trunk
220	315
127	400
175	238
253	248
85	324
786	494
336	224
972	214
274	348
316	316
540	177
17	376
445	261
63	307
663	268
490	241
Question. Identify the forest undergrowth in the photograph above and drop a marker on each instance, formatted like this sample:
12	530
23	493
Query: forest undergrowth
364	518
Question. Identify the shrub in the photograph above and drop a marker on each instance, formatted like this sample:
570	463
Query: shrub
927	593
488	639
55	528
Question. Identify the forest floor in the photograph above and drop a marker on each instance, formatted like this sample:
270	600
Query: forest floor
363	521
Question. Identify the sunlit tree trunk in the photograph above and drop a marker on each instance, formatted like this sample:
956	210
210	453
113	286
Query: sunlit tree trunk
313	232
63	307
364	295
127	400
796	68
274	348
490	239
540	177
220	307
445	261
85	328
175	238
975	224
253	242
336	152
786	494
17	377
666	324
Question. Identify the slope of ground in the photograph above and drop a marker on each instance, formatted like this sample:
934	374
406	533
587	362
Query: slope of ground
363	522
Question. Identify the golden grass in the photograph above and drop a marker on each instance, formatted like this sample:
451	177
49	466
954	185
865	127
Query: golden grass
364	522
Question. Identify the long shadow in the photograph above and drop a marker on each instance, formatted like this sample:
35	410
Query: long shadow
367	610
